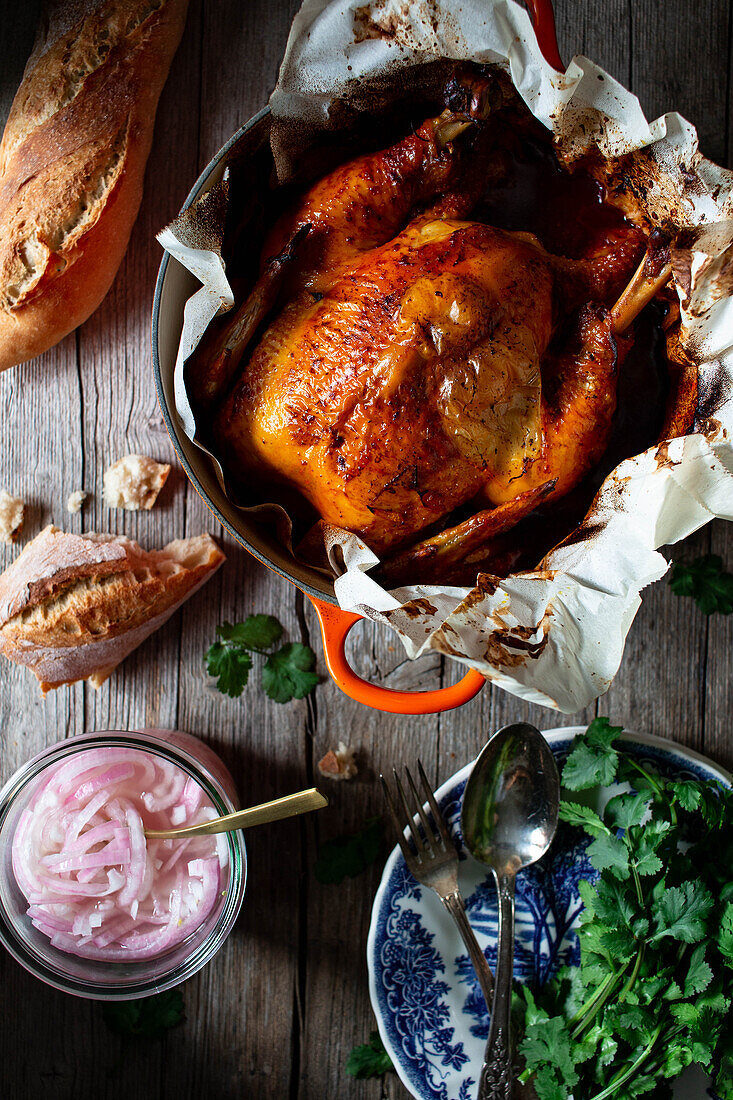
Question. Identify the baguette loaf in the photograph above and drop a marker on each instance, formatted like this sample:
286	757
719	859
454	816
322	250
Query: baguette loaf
72	161
73	606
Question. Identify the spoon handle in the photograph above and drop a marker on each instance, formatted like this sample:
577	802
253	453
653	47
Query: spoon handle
279	808
496	1072
455	906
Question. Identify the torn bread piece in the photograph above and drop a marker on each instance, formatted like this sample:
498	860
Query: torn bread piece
73	606
11	516
134	482
338	763
76	500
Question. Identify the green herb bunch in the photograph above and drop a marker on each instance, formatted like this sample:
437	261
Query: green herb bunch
652	994
287	673
705	580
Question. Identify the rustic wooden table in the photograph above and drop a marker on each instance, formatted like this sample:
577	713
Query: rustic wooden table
276	1014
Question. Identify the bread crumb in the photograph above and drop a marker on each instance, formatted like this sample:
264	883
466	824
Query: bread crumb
338	763
76	499
134	482
11	517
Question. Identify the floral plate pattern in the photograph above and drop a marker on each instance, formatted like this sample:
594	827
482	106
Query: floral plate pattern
426	998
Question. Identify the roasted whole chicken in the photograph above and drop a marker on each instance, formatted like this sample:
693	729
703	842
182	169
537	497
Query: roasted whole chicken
398	358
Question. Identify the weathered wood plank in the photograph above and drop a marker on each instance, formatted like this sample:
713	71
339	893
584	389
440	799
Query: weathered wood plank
336	1001
39	465
680	63
241	1036
89	401
598	30
661	687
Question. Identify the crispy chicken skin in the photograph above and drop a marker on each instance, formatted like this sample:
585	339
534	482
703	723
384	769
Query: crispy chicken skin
419	360
413	385
407	387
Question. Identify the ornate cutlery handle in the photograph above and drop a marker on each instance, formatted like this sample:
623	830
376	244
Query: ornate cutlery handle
454	905
496	1072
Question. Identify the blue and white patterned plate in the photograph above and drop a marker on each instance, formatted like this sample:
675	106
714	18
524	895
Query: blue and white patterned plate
429	1008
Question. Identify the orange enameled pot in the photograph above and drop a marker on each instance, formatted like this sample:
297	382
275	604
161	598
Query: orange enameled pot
173	288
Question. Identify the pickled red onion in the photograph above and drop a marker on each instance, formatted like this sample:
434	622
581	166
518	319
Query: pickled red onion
96	886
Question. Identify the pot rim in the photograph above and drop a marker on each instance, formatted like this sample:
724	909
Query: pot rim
326	593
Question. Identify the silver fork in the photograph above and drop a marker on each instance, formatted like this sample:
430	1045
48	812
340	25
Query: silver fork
434	863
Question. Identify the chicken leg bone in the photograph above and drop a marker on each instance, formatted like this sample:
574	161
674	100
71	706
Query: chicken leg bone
648	279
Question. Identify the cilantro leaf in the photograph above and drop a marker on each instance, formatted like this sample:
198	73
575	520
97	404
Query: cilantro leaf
256	632
646	841
620	943
625	810
147	1018
725	934
699	975
687	793
370	1059
583	817
715	805
532	1011
549	1042
593	761
609	853
601	734
230	667
677	1057
681	913
589	767
288	674
633	1022
546	1085
648	864
704	1035
610	902
348	855
706	582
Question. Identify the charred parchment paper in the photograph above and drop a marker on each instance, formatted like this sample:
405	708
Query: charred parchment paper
553	636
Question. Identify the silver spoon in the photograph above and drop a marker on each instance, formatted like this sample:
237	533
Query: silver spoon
508	820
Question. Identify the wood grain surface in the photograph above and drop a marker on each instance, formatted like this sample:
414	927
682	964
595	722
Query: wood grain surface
276	1014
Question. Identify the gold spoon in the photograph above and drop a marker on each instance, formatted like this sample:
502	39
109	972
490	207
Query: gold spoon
300	803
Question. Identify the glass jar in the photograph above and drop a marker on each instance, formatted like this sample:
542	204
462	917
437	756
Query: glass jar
119	981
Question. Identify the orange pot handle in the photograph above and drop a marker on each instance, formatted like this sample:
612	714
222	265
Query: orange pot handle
335	625
543	18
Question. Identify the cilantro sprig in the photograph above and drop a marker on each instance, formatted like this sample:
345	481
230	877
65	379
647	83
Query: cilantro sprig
287	673
705	580
348	855
369	1059
652	994
148	1018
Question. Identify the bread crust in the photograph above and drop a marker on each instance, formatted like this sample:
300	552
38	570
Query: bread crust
72	162
73	606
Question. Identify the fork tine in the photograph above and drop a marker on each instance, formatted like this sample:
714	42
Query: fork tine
434	807
404	846
432	840
409	815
